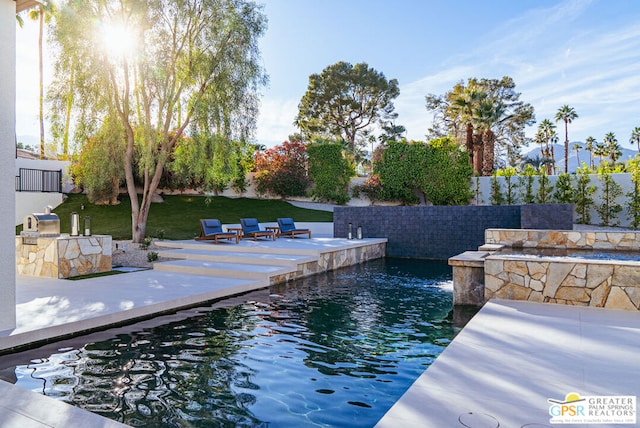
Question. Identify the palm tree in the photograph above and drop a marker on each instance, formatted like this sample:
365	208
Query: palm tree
567	114
488	114
591	142
463	106
635	137
601	151
41	14
548	134
613	149
577	147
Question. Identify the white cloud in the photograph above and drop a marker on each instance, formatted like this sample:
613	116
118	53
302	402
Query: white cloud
553	62
275	122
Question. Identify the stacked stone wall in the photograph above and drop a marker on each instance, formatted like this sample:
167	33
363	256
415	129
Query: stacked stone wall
64	257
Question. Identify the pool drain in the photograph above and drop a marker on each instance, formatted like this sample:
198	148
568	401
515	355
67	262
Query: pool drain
478	420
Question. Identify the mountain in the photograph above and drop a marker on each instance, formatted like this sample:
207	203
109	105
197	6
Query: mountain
573	161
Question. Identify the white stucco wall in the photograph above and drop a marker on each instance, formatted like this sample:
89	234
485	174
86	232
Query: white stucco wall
7	164
624	180
34	202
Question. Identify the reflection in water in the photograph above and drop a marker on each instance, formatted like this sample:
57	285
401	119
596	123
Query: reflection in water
337	349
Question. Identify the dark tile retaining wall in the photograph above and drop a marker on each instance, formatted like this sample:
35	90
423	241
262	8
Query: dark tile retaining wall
441	232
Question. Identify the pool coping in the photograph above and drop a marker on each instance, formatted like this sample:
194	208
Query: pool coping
515	355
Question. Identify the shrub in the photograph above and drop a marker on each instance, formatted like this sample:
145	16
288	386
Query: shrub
510	183
563	193
543	195
583	194
608	210
446	174
497	198
633	204
152	256
440	170
526	181
398	170
330	172
100	166
281	170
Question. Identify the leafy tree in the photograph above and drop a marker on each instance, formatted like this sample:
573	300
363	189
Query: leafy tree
281	170
453	110
567	115
99	169
563	193
497	197
635	137
447	173
211	163
439	170
633	201
391	132
400	166
583	196
330	172
511	184
544	188
202	64
525	181
345	100
609	208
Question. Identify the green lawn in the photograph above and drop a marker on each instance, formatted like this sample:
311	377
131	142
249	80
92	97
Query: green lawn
178	216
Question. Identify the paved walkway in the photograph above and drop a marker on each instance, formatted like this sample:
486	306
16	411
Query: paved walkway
513	356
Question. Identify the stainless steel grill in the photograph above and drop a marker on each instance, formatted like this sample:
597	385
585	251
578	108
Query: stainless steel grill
36	225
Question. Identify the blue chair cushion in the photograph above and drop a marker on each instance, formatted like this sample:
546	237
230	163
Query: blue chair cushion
211	226
249	225
286	224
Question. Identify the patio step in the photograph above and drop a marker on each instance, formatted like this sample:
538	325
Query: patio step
229	270
236	257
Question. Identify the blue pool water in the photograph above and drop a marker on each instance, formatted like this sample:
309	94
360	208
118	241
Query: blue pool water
337	349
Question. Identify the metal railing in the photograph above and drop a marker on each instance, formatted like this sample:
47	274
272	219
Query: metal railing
39	180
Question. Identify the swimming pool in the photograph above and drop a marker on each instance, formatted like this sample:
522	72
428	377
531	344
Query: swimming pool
336	349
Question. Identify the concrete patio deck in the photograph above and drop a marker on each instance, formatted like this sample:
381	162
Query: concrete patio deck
513	356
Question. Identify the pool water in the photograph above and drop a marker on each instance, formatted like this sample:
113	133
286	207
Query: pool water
337	349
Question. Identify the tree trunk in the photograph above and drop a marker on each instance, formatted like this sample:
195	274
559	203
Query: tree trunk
67	116
469	143
488	142
42	148
477	154
566	147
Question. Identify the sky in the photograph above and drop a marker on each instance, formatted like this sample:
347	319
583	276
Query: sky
584	53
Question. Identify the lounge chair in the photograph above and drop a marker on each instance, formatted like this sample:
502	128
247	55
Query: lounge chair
288	227
251	229
211	230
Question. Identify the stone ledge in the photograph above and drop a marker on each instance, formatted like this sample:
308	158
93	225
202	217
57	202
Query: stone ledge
469	259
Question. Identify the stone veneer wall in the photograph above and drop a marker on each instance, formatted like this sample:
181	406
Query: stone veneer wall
334	260
593	240
570	281
64	257
440	232
567	280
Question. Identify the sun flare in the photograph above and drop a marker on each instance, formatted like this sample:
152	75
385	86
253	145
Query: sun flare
118	40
